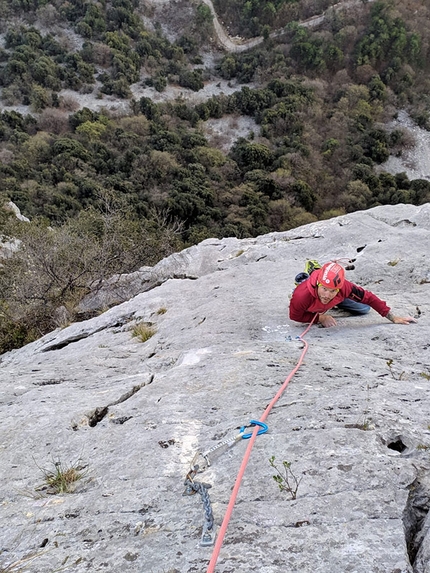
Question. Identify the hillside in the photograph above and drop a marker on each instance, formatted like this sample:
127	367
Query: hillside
317	102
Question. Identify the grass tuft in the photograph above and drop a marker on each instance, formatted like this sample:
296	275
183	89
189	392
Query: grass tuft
20	565
143	331
62	478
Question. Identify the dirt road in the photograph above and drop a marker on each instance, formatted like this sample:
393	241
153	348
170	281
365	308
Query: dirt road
240	45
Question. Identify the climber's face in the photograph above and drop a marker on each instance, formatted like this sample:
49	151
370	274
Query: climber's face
326	294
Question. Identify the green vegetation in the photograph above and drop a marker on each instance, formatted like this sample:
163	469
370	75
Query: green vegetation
36	66
253	17
424	447
395	375
53	268
62	478
365	425
285	478
108	194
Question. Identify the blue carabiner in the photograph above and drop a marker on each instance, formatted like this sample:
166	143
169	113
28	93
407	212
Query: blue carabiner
264	428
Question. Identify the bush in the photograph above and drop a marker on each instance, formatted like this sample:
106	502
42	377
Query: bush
192	80
57	267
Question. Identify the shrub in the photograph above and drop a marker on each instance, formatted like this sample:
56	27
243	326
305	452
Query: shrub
285	478
57	267
53	121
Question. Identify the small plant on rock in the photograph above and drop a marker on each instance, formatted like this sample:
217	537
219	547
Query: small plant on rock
367	425
62	478
143	331
393	263
393	373
18	566
285	478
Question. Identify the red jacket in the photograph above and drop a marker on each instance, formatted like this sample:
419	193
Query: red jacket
305	303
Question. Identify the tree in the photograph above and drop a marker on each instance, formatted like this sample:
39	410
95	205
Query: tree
420	191
92	130
357	196
191	79
375	145
39	98
56	267
204	14
308	54
377	88
387	39
251	156
228	67
304	194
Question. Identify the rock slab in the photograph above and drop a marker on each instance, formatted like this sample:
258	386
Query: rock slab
131	415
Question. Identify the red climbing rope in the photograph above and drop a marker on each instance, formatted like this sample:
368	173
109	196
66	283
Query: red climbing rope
229	511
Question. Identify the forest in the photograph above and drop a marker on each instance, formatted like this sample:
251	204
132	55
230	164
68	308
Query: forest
107	194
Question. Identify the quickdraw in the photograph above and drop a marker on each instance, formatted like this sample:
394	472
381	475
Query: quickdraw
199	464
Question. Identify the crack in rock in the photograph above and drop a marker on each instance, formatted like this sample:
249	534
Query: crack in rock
99	413
404	223
97	416
67	341
85	334
50	382
416	522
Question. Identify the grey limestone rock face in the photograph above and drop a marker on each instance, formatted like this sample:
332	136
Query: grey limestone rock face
353	422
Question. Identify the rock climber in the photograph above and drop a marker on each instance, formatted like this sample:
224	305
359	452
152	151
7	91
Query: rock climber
326	288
